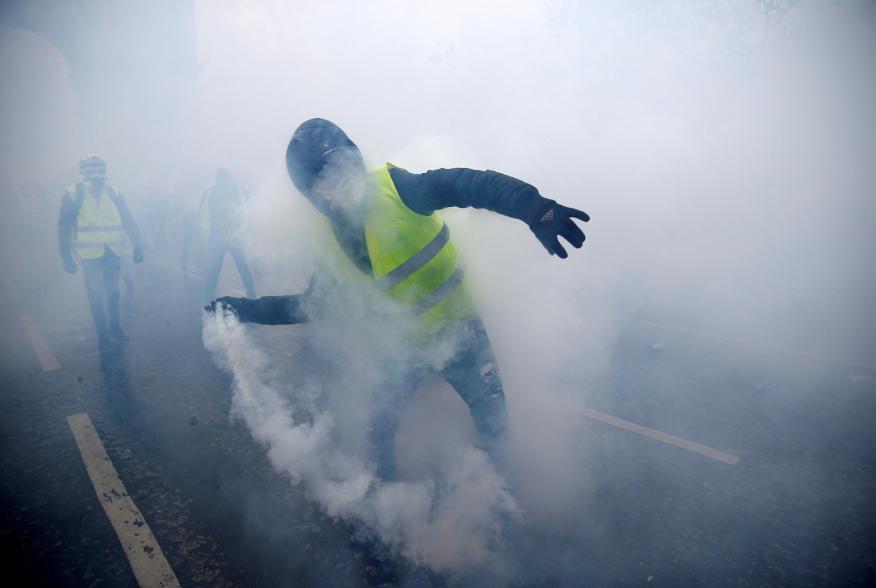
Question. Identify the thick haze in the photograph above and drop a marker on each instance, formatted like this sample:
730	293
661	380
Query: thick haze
724	151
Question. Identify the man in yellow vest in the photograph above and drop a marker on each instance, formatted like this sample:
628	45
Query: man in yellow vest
96	224
386	224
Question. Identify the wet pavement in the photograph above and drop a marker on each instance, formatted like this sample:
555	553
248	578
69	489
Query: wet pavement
798	510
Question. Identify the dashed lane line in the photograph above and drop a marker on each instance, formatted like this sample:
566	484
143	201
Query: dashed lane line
692	446
39	344
144	554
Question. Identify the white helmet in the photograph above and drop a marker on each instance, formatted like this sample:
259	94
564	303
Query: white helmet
92	167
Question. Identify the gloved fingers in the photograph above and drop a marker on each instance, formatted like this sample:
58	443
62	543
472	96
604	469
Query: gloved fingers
573	234
572	241
574	212
546	242
557	248
230	304
218	304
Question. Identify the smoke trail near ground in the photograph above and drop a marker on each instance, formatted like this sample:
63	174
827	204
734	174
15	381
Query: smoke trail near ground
315	432
708	145
724	149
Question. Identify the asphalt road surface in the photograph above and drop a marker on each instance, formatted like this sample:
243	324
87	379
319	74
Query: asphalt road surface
798	509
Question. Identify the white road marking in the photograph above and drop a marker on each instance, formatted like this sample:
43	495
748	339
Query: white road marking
38	342
715	454
144	554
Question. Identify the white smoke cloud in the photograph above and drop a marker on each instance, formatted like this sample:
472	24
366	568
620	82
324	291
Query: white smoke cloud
313	417
724	152
706	143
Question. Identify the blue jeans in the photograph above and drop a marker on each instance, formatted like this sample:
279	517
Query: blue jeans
474	374
102	282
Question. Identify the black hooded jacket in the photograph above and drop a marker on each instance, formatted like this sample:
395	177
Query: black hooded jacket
423	193
444	188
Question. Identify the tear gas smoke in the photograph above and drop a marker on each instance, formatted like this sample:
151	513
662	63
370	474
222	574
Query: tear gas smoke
723	149
676	132
314	413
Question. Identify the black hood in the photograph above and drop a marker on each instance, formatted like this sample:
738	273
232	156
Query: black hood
305	155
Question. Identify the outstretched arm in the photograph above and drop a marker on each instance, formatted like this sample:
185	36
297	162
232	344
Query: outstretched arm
463	187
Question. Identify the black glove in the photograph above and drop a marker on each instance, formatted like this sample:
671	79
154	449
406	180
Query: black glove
138	254
69	265
555	222
227	304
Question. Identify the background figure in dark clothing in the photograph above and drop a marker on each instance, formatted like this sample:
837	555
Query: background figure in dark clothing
94	221
220	209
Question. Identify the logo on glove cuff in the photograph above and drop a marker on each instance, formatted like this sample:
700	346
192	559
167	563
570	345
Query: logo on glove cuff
548	216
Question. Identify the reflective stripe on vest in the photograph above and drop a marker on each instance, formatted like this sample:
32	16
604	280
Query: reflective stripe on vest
443	291
416	261
98	225
412	256
99	229
87	244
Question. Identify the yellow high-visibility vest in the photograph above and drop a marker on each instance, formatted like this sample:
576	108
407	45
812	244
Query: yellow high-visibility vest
412	256
98	225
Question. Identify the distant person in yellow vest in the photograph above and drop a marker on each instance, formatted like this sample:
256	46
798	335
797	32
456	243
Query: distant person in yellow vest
386	224
95	224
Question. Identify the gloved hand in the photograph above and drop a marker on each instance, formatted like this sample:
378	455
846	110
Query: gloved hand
226	304
70	265
557	222
138	254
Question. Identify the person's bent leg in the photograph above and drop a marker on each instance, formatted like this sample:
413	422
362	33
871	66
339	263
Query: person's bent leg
111	269
91	271
243	269
128	280
474	374
385	422
217	254
383	430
